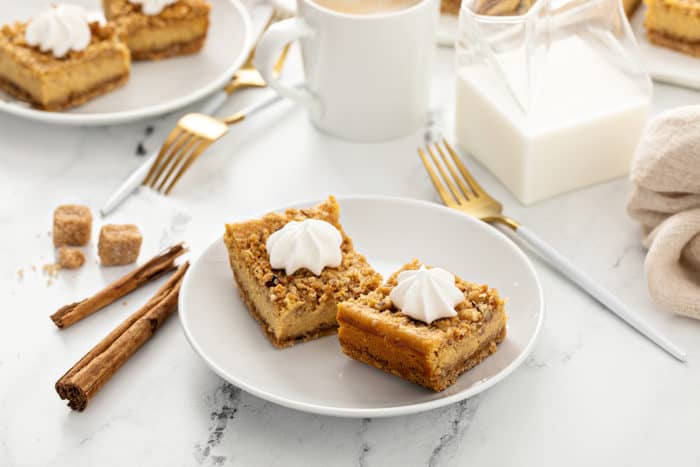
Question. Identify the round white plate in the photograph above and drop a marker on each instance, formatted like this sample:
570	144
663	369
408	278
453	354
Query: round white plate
154	87
316	376
664	64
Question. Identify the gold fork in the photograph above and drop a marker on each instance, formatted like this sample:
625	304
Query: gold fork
462	192
195	132
246	77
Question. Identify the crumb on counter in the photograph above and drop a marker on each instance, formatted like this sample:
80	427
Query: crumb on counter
51	269
70	258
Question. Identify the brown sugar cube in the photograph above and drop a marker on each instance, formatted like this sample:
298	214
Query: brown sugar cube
72	225
70	258
119	244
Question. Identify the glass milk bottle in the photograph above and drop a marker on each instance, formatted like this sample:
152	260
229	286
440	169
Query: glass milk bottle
551	96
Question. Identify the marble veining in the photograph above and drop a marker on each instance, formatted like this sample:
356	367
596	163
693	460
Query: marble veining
223	405
589	377
89	437
364	443
624	253
462	414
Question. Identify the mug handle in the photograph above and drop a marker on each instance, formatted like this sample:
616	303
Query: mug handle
268	51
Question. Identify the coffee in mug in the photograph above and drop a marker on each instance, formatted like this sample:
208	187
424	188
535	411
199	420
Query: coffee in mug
368	64
366	7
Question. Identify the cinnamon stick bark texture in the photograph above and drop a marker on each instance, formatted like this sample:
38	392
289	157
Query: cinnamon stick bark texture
86	377
154	268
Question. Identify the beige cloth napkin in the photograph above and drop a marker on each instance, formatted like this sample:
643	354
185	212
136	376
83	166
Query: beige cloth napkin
666	202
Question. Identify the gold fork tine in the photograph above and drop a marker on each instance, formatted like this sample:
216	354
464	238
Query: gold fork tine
182	141
251	55
477	201
476	188
184	150
172	137
279	64
167	161
442	191
193	135
204	144
247	76
195	132
456	194
455	175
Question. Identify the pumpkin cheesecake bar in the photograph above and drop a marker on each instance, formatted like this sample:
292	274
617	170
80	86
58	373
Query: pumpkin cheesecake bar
293	308
51	83
180	28
674	24
373	330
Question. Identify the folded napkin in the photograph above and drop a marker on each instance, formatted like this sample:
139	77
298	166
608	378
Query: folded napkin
666	202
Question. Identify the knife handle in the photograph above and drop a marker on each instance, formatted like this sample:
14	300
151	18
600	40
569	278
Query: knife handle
137	176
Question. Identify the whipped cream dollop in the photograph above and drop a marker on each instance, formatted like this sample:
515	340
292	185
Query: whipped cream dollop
59	29
312	244
152	7
426	294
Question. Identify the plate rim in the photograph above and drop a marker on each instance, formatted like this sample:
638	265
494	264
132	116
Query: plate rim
650	63
384	411
115	118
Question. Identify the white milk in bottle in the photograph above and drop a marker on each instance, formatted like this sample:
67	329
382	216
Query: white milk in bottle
581	128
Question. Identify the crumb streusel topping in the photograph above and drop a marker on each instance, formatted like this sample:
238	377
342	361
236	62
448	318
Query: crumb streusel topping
12	38
123	11
352	278
473	313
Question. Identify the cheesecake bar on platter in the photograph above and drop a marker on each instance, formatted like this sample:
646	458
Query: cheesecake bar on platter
424	325
58	60
293	269
674	24
157	29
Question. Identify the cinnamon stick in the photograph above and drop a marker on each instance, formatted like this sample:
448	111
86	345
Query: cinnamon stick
86	377
153	269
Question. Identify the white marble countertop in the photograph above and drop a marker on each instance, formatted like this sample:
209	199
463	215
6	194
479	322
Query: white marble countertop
593	392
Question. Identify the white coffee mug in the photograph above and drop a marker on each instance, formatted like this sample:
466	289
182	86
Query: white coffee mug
367	75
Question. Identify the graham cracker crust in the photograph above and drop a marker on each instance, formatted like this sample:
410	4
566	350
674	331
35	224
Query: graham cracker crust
486	349
634	9
73	100
279	343
180	48
679	45
450	6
